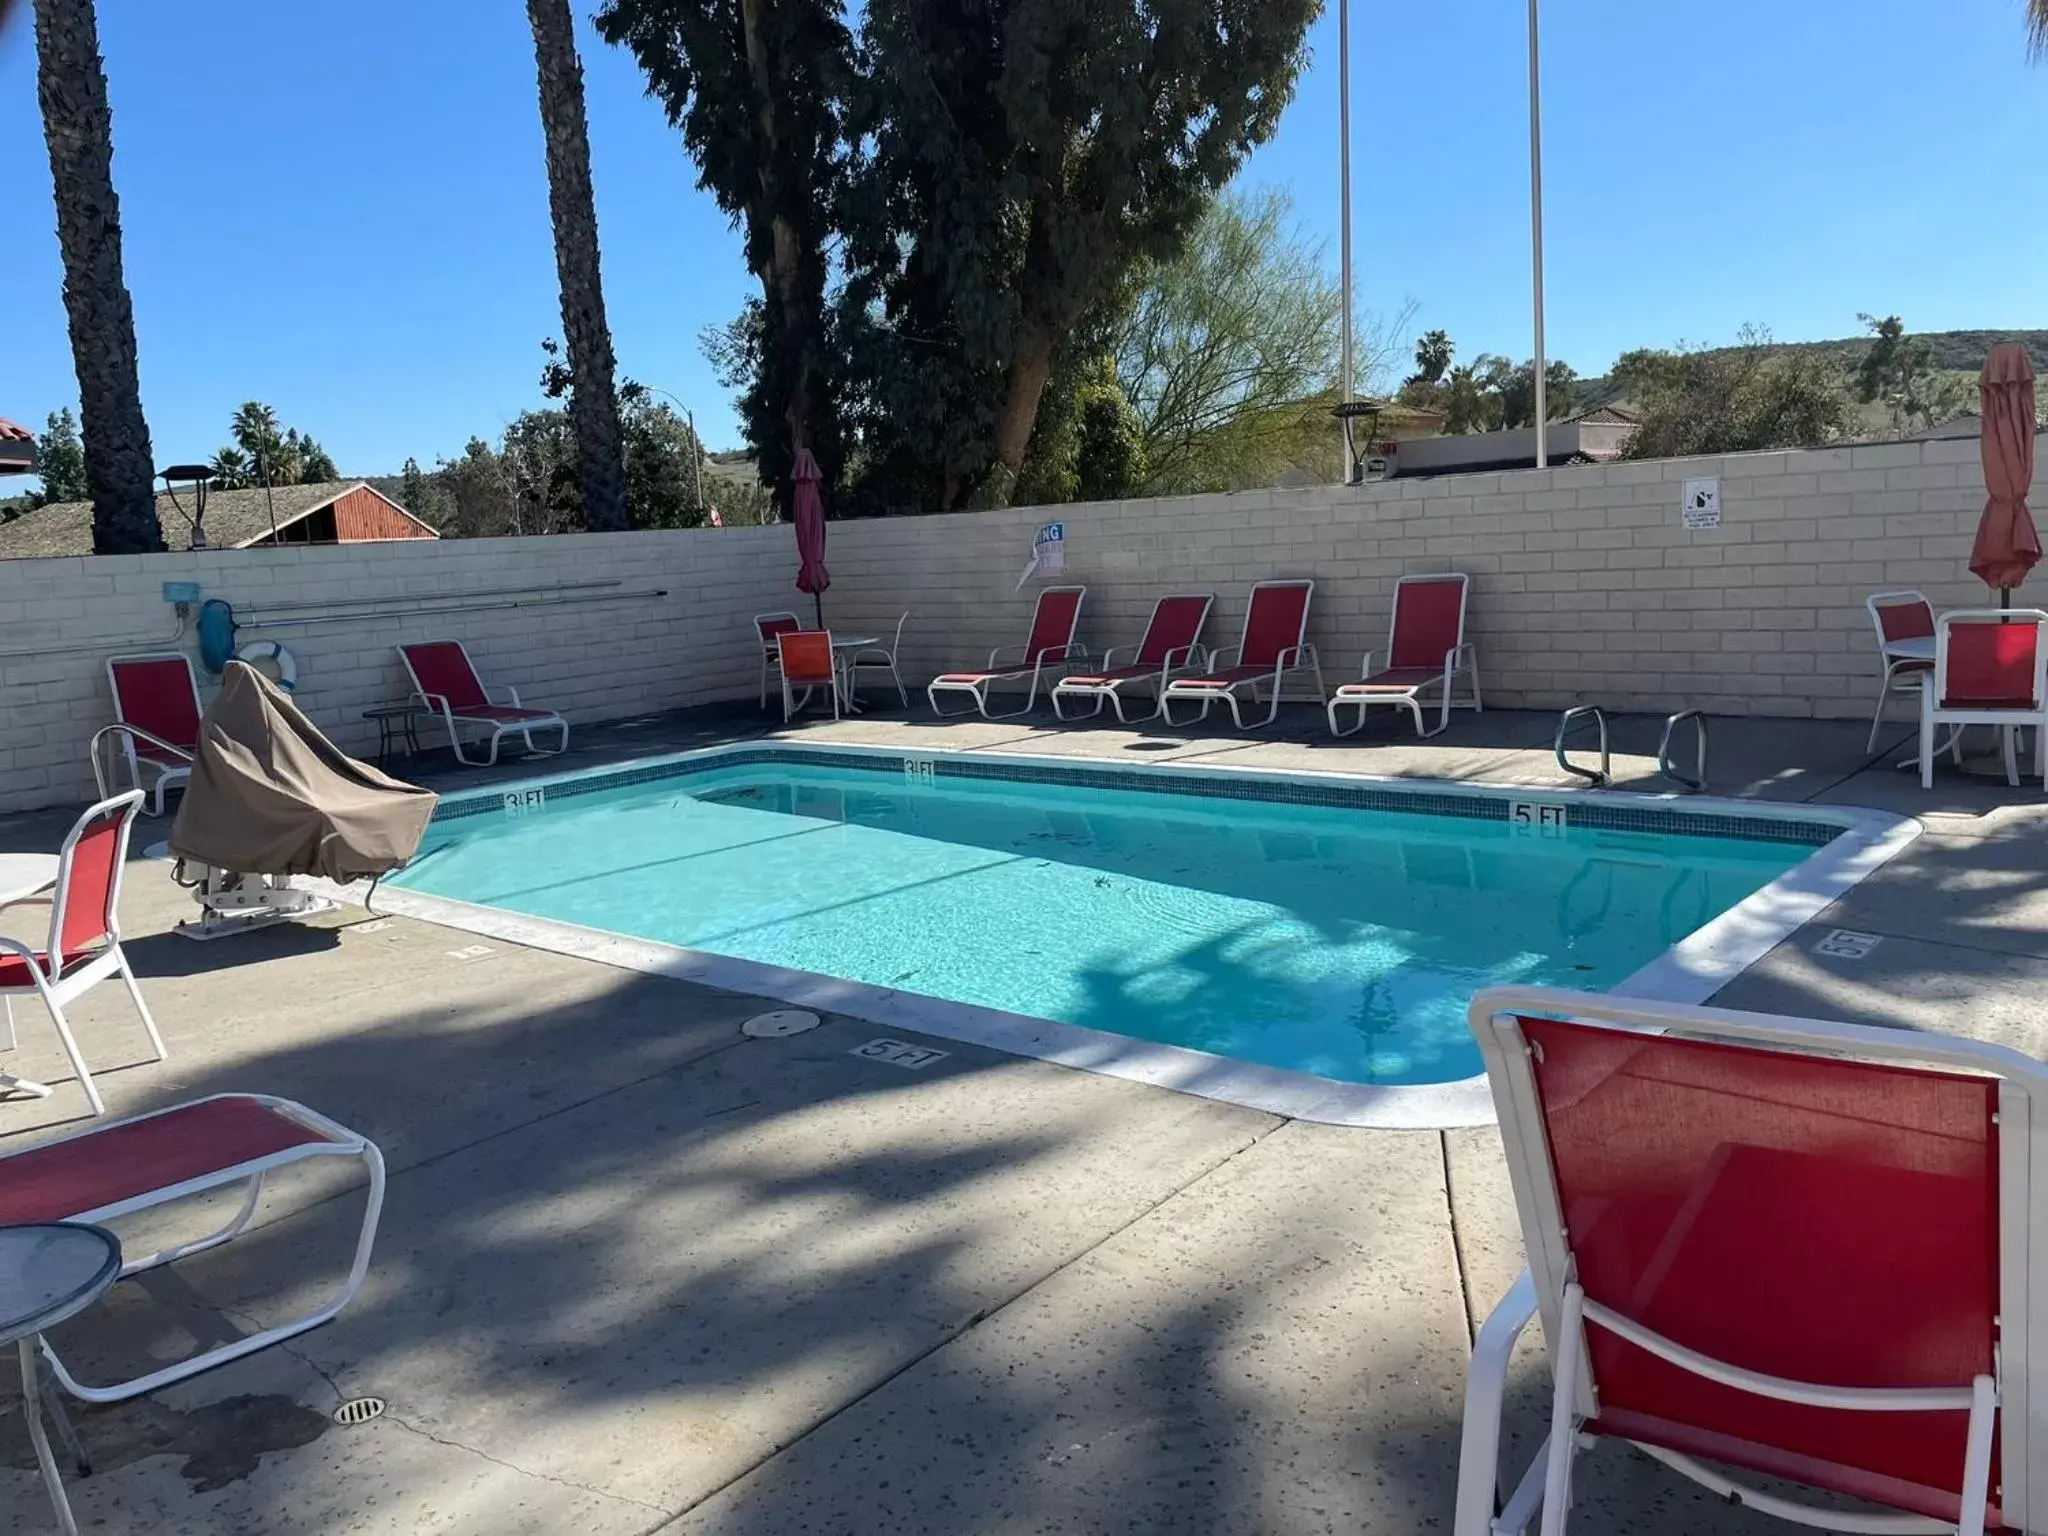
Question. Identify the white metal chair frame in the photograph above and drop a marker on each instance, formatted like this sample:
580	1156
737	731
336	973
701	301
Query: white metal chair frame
1193	657
790	702
167	774
58	983
1548	1288
1058	658
1934	713
878	658
339	1142
1299	657
1901	673
438	704
1462	659
771	657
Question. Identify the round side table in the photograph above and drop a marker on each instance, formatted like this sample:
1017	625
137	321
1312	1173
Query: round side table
49	1272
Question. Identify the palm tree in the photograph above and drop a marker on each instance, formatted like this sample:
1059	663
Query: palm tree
231	470
120	473
2037	26
1434	351
593	400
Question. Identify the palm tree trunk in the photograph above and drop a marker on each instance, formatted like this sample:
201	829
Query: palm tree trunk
593	400
120	473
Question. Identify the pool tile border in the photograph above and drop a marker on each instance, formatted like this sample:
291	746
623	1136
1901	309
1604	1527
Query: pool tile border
1168	779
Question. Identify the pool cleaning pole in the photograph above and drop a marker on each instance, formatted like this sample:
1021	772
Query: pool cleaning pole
1536	237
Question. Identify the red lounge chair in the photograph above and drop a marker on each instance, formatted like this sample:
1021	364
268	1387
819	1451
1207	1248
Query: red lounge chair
1786	1247
806	660
1426	648
1904	622
766	627
1050	648
156	702
103	1173
84	946
1275	645
1172	643
446	684
1990	668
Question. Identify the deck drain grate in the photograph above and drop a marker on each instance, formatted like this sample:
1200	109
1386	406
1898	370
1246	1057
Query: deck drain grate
359	1410
784	1021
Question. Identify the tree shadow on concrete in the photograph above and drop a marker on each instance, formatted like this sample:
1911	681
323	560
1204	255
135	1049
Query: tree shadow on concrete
625	1245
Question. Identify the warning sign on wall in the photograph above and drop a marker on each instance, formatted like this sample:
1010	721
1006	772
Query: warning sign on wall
1701	507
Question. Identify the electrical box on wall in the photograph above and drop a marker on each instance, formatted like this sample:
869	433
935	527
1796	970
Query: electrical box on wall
181	592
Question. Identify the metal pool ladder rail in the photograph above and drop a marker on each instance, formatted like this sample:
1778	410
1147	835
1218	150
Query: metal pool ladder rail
1667	768
1692	783
1595	777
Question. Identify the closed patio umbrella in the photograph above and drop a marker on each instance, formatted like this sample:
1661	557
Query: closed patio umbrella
807	511
2007	545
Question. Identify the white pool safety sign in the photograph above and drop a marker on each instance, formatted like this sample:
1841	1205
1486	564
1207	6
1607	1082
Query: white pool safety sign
1048	553
1700	507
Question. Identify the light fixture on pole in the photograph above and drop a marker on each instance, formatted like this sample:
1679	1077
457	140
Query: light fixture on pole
1536	237
1347	383
1350	413
198	477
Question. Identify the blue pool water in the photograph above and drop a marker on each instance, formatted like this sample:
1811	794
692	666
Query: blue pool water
1334	941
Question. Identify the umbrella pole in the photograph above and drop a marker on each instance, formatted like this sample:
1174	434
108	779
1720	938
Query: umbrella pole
818	608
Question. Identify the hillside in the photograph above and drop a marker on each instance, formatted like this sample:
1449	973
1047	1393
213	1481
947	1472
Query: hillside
1953	351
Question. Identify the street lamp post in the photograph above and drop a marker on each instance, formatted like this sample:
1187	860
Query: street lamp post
1536	237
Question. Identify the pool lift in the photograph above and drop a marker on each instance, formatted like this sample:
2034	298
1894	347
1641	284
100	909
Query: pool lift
272	800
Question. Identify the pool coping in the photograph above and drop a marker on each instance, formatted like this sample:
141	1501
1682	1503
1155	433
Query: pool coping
1691	971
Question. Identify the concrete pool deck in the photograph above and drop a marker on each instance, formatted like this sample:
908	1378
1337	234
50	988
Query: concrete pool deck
639	1272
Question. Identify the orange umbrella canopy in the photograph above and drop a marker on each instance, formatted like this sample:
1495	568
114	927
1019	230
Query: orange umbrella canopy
2007	545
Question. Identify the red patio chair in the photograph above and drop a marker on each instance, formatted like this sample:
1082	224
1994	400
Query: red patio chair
446	683
1274	647
1172	642
103	1173
766	627
806	661
156	704
1050	649
1426	648
1990	668
84	944
1904	622
1773	1246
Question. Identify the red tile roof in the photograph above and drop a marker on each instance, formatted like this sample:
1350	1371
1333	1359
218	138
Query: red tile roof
10	432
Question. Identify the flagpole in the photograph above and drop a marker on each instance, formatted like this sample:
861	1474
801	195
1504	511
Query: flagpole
1345	395
1536	237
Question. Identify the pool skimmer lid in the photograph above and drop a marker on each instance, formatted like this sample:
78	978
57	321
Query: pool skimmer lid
783	1021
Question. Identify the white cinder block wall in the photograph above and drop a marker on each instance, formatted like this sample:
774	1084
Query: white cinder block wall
1585	587
61	619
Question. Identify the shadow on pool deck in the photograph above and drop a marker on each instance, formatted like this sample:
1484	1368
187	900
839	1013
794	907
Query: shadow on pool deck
636	1266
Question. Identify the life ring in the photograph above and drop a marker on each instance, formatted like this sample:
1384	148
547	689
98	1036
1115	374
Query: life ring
282	667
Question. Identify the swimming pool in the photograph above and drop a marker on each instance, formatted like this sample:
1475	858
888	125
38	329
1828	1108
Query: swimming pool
1313	936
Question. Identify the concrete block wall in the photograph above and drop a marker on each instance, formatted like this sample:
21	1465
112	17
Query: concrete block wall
60	620
1586	586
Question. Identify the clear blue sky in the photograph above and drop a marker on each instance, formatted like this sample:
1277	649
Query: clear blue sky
343	211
